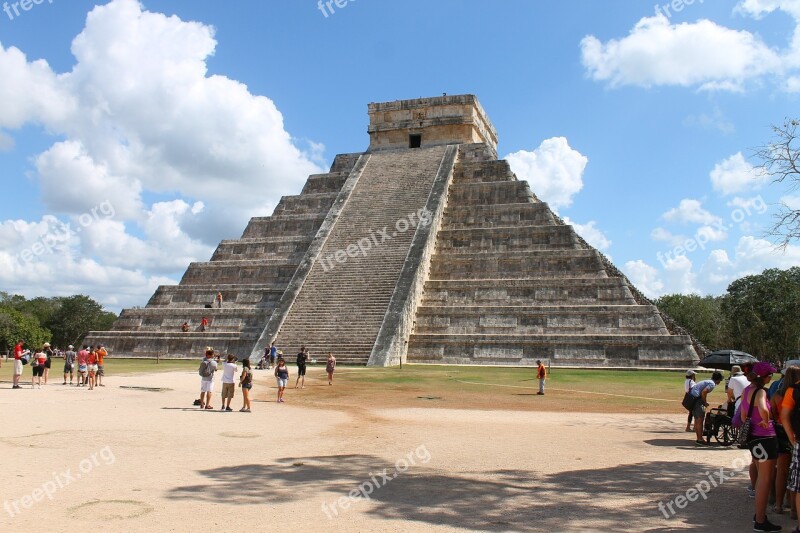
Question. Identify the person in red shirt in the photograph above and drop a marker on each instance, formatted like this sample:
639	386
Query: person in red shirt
18	364
541	373
203	324
40	359
83	358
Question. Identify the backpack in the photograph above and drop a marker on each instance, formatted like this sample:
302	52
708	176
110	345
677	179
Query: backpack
205	369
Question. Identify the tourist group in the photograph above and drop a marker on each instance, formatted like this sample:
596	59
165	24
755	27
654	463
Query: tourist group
90	361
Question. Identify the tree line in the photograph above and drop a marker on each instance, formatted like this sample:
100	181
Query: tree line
60	321
758	314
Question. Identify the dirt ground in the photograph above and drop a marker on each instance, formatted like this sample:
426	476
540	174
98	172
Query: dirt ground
136	456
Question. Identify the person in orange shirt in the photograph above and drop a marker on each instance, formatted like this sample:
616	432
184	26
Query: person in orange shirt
541	373
101	355
791	376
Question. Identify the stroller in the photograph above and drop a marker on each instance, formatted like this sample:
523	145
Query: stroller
718	425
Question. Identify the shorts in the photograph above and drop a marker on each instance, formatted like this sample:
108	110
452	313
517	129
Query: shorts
207	386
38	371
301	370
100	370
794	471
282	383
92	369
47	363
784	445
17	367
227	390
82	369
247	386
763	448
699	410
68	368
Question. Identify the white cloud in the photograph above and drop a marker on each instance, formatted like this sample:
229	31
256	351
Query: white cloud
690	211
706	234
701	54
554	170
661	234
645	278
791	201
591	233
735	174
138	117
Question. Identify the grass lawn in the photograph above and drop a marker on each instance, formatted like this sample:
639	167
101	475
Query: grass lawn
453	386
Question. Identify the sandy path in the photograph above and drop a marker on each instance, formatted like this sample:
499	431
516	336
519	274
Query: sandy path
133	460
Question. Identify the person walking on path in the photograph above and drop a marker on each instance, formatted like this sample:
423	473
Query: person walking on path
687	386
330	367
541	373
700	393
246	383
207	368
83	358
102	353
302	360
229	369
17	364
49	353
69	364
219	300
763	443
37	365
282	376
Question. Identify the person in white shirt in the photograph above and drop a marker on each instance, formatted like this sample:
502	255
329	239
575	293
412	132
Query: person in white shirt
228	387
687	386
736	386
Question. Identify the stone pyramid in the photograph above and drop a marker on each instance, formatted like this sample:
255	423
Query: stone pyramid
426	249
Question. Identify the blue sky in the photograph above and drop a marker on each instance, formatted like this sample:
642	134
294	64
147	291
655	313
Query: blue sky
155	129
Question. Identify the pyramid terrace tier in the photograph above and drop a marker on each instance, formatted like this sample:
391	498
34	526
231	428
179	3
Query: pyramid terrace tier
497	192
307	203
178	345
483	171
231	320
284	225
513	238
233	295
540	320
666	351
277	271
515	292
498	215
518	265
288	248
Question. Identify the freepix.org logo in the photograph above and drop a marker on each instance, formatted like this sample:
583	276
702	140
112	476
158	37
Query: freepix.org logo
15	9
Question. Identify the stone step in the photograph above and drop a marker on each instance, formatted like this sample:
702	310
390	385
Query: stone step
521	238
585	319
611	291
518	265
504	215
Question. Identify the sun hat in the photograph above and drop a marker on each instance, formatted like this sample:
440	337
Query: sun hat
736	370
47	345
763	368
70	346
690	373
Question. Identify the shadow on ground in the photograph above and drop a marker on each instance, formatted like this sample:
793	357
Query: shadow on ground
621	498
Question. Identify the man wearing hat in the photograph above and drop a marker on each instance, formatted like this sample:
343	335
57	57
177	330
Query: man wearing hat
69	363
700	393
736	386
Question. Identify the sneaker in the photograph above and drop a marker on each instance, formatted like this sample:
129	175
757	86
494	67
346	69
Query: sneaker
222	408
700	443
751	492
228	409
766	525
540	394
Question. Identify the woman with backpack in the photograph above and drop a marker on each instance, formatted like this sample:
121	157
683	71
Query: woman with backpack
762	441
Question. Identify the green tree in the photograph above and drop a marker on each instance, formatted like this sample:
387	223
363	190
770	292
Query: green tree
701	315
15	326
762	313
75	317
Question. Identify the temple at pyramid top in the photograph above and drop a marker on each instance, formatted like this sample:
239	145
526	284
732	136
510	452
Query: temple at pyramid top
426	122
